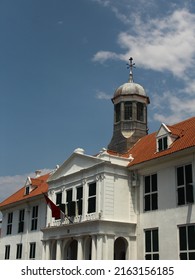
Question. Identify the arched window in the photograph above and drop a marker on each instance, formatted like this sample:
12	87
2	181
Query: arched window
72	250
120	248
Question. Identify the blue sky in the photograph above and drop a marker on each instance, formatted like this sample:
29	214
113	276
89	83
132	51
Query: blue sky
61	61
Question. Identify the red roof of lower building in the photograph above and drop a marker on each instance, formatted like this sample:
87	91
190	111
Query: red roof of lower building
39	186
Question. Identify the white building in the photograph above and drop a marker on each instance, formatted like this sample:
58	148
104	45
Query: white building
24	215
134	200
95	191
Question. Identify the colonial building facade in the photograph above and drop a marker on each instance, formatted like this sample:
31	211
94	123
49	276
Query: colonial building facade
133	200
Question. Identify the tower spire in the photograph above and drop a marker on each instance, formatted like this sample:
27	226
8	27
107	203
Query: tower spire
130	66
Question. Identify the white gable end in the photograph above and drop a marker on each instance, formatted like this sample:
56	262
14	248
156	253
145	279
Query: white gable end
75	163
163	131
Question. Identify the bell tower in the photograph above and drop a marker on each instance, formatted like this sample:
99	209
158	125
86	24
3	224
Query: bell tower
130	114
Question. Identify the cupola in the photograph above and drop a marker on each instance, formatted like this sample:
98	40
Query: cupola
130	114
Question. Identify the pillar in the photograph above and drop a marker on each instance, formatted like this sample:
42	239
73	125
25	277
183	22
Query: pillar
80	249
99	247
93	248
59	250
47	250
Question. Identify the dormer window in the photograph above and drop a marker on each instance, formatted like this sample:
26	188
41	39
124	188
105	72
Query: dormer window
162	144
164	138
27	190
28	186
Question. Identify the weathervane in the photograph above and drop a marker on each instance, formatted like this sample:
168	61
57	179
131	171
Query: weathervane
130	66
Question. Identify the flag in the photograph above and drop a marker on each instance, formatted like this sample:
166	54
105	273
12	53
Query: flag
55	210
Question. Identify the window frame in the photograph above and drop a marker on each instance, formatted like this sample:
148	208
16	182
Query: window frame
9	223
32	250
117	111
151	195
79	200
151	249
21	220
34	217
186	242
70	204
19	251
162	143
184	184
128	110
92	197
140	111
7	252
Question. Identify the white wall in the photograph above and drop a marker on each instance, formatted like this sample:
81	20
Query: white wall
169	215
28	235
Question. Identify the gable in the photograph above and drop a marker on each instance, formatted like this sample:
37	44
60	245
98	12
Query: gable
163	130
75	163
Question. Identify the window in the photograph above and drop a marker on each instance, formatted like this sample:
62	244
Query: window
27	190
19	251
34	220
21	221
59	202
32	250
58	198
150	193
128	110
184	185
117	112
187	242
162	144
92	198
9	222
70	204
79	198
7	252
140	111
151	244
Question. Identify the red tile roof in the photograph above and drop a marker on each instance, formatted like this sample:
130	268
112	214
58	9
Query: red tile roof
40	186
145	148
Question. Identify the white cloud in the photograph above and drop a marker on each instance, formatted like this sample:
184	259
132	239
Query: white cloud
103	95
179	108
160	44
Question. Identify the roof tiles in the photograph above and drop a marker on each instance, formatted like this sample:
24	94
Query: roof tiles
145	148
40	186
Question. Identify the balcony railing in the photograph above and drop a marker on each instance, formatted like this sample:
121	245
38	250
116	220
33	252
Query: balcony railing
75	219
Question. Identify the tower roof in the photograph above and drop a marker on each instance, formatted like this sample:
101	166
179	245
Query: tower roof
130	88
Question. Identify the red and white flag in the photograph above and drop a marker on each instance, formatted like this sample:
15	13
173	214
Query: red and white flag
55	210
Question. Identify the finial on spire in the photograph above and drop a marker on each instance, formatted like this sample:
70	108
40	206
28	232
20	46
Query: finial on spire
130	66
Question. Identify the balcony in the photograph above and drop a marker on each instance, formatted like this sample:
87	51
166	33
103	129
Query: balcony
74	219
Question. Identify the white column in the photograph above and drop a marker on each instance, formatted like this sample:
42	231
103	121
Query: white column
64	249
93	248
59	250
80	249
105	248
110	247
47	250
43	250
99	247
85	198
